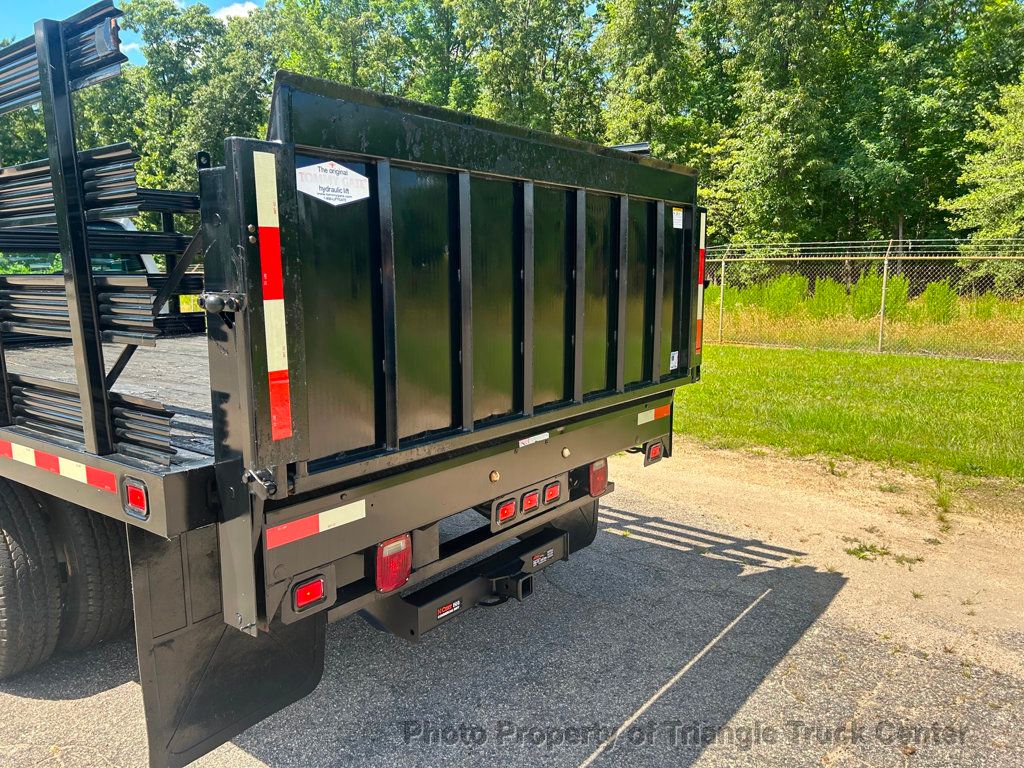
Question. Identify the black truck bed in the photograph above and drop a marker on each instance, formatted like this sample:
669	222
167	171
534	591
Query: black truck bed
175	372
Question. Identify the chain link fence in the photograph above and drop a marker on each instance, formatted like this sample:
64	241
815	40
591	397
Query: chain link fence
925	297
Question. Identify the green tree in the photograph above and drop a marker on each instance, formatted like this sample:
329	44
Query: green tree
993	203
536	66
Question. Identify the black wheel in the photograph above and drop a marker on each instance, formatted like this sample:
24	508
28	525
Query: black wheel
581	525
96	594
29	583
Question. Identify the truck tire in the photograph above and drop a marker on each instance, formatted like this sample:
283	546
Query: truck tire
29	583
96	594
580	524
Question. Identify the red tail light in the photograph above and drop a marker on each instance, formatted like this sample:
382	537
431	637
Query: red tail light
394	562
598	477
310	593
552	492
506	511
136	498
531	500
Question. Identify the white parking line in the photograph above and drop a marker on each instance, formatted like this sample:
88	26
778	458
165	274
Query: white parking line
672	681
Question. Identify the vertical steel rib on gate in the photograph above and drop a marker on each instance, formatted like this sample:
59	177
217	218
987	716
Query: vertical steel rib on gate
69	202
526	278
390	321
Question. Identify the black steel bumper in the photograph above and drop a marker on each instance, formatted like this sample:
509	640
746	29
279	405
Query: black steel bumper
506	574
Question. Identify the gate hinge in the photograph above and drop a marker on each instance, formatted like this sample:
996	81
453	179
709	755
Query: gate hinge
261	482
215	303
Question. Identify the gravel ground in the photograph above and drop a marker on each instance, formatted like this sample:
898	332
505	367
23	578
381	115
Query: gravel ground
718	620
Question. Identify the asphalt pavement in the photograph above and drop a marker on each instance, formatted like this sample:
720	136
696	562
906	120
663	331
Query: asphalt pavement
679	644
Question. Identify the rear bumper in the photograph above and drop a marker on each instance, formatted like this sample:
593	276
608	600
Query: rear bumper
506	574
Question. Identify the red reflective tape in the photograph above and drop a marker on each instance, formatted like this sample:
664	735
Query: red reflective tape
700	333
6	449
662	411
700	269
280	535
48	461
100	478
280	405
270	263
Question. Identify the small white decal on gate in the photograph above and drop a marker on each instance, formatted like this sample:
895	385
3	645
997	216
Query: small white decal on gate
677	218
534	439
673	360
332	182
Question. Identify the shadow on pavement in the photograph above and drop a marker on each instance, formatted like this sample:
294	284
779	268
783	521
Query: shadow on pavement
547	681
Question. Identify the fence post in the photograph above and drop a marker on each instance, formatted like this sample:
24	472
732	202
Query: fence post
721	300
885	286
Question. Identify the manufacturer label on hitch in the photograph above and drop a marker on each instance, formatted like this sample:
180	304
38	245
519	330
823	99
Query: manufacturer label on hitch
332	182
448	609
542	557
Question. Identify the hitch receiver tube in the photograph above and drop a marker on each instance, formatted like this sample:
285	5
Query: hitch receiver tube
505	574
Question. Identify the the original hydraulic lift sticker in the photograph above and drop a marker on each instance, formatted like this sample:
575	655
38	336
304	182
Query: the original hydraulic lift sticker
332	182
677	218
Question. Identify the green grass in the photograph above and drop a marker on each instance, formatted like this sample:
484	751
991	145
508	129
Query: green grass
935	414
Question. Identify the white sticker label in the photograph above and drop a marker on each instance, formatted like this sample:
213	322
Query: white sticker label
677	218
673	360
534	439
332	182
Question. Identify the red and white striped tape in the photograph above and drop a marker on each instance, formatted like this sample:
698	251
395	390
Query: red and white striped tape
272	270
58	465
700	283
661	412
311	525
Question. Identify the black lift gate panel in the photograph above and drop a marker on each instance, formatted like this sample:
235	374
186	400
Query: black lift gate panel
433	274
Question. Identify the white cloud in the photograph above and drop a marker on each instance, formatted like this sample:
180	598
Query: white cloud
129	47
235	9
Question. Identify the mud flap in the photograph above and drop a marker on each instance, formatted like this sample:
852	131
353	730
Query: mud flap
204	682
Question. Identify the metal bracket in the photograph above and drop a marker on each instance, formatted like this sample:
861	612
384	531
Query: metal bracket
215	303
261	482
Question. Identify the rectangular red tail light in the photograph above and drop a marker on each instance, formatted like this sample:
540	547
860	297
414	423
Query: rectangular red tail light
598	477
394	562
552	492
531	500
506	511
310	593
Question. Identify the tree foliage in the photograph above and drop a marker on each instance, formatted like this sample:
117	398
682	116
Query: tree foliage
807	119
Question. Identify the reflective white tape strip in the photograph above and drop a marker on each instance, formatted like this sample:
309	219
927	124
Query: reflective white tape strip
661	412
272	280
277	336
103	479
348	513
73	469
23	453
703	228
265	171
700	301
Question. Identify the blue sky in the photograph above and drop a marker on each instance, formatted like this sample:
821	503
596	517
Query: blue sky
18	17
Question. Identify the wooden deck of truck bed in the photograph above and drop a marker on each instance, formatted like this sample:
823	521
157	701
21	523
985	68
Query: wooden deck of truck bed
176	373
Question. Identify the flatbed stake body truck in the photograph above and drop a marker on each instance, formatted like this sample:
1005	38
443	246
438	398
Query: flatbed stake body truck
408	314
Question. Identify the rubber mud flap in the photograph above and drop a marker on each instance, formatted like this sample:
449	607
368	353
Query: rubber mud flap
204	682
